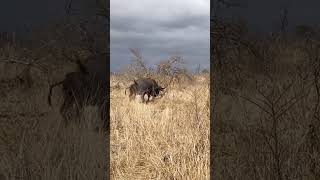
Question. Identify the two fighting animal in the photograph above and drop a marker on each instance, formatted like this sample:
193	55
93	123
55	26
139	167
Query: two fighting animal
143	87
88	86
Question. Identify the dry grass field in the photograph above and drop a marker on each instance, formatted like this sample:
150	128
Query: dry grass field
265	108
33	142
165	139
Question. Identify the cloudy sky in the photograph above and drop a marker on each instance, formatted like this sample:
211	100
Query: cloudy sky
15	15
264	16
160	29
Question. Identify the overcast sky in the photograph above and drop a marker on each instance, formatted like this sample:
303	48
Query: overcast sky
160	29
15	15
264	16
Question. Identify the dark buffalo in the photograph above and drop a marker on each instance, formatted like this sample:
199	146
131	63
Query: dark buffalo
72	87
145	86
88	86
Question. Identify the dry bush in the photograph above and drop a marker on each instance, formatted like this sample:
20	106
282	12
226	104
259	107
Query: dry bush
166	139
168	72
266	123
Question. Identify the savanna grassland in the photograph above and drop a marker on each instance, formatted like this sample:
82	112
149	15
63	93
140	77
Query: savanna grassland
34	144
167	138
265	98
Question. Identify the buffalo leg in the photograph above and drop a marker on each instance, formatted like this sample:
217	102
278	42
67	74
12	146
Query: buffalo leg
79	109
64	109
142	97
148	94
148	98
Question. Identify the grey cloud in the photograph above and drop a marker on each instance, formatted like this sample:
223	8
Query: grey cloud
186	21
159	35
126	24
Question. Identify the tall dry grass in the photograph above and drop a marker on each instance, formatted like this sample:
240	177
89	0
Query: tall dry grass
165	139
34	144
266	106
